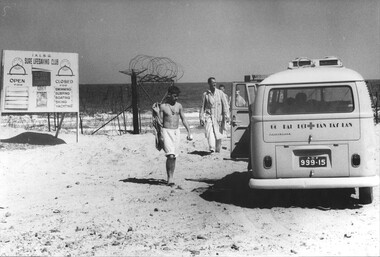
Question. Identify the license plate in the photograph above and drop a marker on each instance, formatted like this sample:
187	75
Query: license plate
313	161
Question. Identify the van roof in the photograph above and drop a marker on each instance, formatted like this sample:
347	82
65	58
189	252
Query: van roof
313	75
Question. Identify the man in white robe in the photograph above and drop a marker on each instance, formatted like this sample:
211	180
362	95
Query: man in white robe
213	115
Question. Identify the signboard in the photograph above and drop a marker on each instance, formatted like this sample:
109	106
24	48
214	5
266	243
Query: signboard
34	82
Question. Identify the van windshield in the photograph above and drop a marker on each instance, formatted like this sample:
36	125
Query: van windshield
304	100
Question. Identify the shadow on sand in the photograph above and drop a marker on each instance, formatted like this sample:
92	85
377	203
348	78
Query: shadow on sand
34	138
234	189
200	153
149	181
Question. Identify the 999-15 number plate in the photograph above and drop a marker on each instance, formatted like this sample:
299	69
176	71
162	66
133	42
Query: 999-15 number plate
313	161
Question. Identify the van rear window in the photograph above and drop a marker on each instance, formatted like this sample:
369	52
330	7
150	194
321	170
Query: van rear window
304	100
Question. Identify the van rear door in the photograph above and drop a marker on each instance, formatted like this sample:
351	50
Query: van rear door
312	139
242	99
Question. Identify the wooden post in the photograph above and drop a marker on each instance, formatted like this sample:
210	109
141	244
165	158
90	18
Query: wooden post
49	121
118	123
122	106
81	123
60	124
135	110
78	122
55	123
135	99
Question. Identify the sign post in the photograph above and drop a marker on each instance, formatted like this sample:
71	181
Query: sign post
39	82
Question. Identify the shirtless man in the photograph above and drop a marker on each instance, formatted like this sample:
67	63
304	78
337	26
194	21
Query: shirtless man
169	114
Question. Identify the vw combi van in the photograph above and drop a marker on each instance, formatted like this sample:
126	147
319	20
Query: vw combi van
309	127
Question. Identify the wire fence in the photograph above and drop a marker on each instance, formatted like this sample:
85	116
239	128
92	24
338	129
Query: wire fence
376	107
374	91
156	69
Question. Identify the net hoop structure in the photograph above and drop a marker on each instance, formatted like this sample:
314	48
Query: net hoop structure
150	70
155	69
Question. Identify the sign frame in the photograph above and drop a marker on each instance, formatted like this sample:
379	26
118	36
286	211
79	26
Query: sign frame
39	82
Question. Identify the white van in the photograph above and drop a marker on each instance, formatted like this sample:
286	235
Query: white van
308	127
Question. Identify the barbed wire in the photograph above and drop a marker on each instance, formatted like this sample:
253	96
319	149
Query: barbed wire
156	69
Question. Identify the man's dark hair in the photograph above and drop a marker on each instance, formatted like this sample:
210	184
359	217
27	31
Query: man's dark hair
173	90
222	86
209	79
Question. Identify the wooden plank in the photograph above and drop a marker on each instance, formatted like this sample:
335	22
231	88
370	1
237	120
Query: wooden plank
14	89
20	93
16	98
15	107
17	102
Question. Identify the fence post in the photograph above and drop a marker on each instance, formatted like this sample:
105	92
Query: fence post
135	110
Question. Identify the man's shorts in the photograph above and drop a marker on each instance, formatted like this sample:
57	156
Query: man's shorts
171	141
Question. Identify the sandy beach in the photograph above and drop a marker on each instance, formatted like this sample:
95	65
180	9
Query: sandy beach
106	196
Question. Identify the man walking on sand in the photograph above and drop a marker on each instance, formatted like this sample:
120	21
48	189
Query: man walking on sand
214	115
168	114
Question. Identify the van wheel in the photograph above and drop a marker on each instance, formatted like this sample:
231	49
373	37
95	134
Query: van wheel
365	195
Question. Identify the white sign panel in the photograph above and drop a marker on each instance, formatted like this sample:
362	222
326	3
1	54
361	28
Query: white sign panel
39	82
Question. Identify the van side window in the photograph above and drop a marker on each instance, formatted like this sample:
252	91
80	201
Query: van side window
241	99
333	99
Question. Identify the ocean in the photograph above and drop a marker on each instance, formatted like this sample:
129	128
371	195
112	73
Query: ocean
113	98
106	98
101	104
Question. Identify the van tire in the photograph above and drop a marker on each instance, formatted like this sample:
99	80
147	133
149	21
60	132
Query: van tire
365	195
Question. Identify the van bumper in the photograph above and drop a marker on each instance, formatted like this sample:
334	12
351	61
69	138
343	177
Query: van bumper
313	183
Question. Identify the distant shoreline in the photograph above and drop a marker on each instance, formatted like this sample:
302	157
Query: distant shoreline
90	123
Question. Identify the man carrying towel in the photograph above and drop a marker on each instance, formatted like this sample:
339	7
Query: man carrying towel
168	114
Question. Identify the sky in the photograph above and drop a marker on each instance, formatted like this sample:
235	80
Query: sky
226	39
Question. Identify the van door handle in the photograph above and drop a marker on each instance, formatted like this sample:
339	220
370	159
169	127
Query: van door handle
235	122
